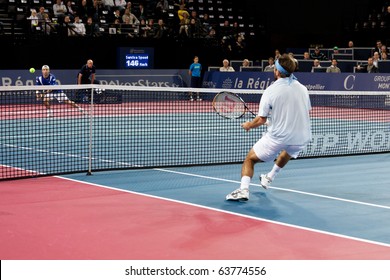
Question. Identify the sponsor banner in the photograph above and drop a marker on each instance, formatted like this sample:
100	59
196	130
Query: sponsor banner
147	78
313	81
213	79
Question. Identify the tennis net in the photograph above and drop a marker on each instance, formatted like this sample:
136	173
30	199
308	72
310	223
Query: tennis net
144	127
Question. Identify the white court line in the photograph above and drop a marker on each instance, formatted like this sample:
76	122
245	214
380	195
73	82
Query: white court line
276	188
202	176
224	211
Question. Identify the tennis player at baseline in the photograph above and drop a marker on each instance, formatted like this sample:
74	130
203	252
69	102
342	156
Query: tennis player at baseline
286	105
46	96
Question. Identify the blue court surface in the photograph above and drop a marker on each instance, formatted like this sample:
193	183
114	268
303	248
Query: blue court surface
343	196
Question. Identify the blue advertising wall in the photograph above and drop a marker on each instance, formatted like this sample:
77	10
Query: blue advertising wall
313	81
213	79
150	78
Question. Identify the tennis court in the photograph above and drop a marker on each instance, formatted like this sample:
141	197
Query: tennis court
161	170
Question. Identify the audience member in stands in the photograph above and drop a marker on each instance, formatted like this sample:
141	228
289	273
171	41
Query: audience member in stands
245	63
239	48
48	26
129	18
141	12
225	30
184	25
383	50
67	27
91	28
79	26
33	20
277	54
378	46
316	63
350	44
306	56
196	24
181	12
386	16
120	4
109	5
318	54
376	58
333	68
69	10
84	10
369	68
226	67
117	16
40	13
160	30
271	65
59	10
97	10
384	56
206	23
162	7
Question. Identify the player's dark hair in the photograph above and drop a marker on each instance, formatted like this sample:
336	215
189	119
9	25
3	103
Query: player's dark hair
287	63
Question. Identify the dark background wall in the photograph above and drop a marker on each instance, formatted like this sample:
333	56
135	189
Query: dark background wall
277	24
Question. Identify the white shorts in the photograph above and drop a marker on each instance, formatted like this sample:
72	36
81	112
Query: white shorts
60	96
267	150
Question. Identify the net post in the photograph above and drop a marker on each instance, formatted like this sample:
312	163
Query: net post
89	172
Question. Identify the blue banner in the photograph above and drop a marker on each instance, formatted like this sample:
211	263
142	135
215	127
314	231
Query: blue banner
147	78
313	81
213	79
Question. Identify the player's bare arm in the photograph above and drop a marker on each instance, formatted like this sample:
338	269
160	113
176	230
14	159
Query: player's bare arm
256	122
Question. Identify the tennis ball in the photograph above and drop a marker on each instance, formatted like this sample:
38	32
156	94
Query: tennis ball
32	70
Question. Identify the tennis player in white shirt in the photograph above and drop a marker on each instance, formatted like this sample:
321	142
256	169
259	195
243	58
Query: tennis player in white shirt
286	105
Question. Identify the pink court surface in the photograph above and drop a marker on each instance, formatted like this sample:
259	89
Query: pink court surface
53	218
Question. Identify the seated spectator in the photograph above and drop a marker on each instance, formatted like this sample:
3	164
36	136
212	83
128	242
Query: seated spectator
184	26
333	67
69	10
160	30
109	5
141	13
120	4
117	16
226	67
306	56
368	68
33	20
79	27
162	7
318	54
68	28
245	63
84	11
316	63
59	10
91	28
271	65
129	18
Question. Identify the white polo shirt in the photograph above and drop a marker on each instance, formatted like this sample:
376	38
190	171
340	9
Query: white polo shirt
287	106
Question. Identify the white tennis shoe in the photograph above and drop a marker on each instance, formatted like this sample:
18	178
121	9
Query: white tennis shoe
239	195
265	181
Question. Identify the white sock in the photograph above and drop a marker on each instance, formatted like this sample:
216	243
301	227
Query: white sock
245	181
275	170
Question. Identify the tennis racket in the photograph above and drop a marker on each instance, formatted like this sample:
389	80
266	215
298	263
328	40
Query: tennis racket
229	105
